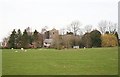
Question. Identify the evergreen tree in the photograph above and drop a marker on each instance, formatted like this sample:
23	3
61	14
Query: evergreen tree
116	34
35	35
30	39
36	39
12	40
95	38
25	40
19	38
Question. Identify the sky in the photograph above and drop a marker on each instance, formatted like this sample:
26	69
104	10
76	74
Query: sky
19	14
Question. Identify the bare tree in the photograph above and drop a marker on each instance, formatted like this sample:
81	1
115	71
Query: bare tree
88	28
29	30
68	40
5	42
80	32
102	26
112	27
74	27
107	26
44	29
62	31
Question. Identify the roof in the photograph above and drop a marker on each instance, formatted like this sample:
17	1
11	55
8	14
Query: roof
48	40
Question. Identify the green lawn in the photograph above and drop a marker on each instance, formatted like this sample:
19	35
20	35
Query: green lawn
0	62
94	61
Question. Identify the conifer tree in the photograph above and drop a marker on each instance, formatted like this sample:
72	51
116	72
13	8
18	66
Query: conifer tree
25	40
12	40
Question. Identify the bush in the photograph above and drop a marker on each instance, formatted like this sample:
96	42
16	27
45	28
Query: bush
109	40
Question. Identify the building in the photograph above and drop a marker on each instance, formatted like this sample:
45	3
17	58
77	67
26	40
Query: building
47	43
50	36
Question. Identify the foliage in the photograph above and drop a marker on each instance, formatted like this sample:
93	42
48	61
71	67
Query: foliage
74	36
37	39
19	39
109	40
95	38
25	40
57	44
116	34
68	41
69	33
86	40
12	40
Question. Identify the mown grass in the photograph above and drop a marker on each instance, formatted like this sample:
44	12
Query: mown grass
91	61
0	62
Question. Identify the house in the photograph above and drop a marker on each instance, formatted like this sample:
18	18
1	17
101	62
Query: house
50	36
47	43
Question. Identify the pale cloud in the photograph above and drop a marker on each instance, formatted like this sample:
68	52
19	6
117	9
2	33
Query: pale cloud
54	13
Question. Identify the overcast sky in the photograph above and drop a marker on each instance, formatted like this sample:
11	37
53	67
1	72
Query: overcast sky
15	14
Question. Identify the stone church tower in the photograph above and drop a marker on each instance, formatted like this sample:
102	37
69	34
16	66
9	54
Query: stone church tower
54	34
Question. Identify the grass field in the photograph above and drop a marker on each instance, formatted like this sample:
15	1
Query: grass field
0	62
94	61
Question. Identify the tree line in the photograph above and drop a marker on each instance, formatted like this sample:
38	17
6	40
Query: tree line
24	40
105	36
